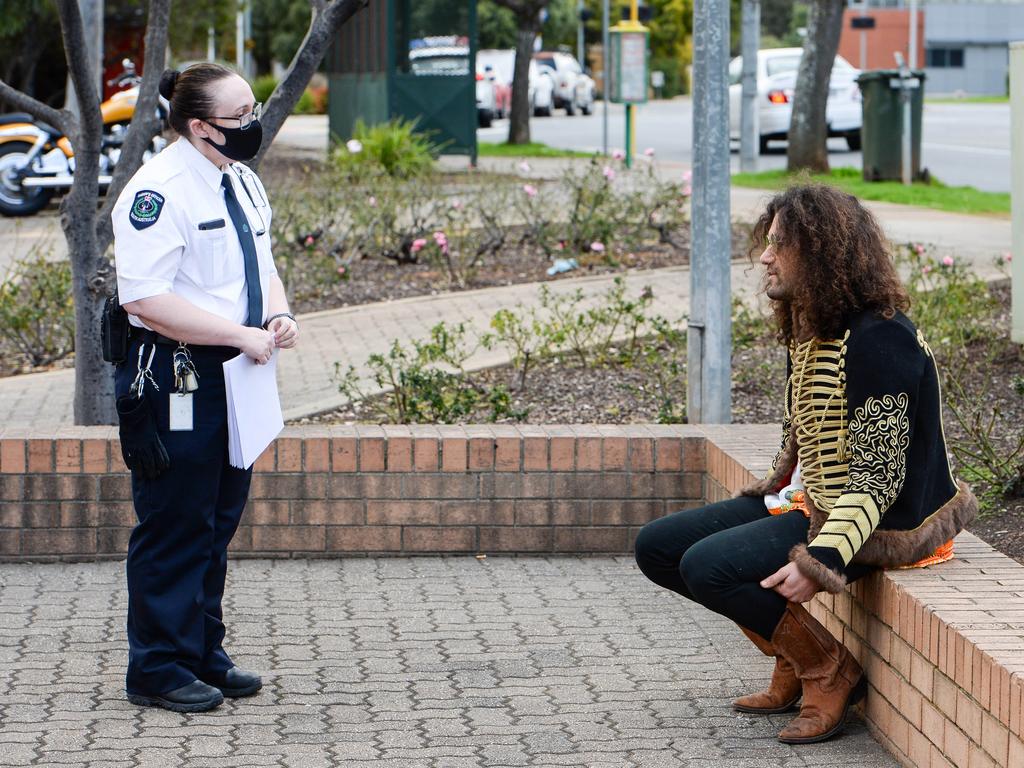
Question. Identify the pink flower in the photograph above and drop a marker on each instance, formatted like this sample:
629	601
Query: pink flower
597	247
559	245
925	269
609	172
687	176
1007	257
687	190
372	201
310	240
456	204
618	154
442	241
649	152
919	249
341	270
417	244
524	167
530	190
947	261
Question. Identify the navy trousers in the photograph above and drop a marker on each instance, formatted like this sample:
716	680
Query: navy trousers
177	554
717	556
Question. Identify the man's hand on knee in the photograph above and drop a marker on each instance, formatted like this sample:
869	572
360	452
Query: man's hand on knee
791	584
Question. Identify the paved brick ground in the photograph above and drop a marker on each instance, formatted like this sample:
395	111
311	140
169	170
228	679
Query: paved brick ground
441	663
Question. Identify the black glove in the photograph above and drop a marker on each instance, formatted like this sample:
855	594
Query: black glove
140	443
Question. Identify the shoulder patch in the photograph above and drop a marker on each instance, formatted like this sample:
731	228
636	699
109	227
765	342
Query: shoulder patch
146	208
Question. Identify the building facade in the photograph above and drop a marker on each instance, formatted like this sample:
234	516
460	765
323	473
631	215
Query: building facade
962	46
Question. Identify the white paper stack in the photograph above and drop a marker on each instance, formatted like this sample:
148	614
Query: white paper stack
254	408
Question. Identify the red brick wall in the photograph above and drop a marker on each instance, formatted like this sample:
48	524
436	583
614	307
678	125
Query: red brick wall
891	33
367	490
943	647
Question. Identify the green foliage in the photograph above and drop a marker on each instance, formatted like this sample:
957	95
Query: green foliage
427	384
950	304
430	382
278	28
496	26
750	328
934	194
262	87
394	147
37	314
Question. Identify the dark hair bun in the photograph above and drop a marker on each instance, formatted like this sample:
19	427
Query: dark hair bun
167	82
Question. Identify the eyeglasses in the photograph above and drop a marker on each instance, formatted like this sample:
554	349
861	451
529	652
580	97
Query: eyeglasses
245	120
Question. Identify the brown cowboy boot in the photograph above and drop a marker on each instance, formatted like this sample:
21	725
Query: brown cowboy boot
832	679
783	691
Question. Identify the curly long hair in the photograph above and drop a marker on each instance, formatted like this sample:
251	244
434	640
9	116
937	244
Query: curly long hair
842	263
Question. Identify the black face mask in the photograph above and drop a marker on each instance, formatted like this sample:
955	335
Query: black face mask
240	145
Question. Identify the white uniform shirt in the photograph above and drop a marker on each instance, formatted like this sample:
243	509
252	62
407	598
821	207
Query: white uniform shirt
167	238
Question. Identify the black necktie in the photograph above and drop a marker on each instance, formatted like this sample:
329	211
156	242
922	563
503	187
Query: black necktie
252	264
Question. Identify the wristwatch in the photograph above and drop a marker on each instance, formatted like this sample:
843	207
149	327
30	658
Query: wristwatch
272	318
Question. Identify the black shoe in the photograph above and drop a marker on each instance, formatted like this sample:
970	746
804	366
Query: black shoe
197	696
236	683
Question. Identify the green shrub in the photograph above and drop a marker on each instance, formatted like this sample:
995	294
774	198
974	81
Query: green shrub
37	312
263	87
305	104
394	148
427	384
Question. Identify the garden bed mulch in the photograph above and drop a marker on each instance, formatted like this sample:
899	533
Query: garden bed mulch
559	392
373	280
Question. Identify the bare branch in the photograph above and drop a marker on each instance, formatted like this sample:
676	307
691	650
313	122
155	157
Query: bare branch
318	5
145	122
322	26
76	52
34	107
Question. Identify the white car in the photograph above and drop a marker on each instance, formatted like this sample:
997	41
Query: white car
776	81
574	88
501	62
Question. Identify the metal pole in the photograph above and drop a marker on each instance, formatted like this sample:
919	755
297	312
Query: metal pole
579	34
211	43
863	38
750	42
906	145
240	41
606	77
709	349
1017	191
912	53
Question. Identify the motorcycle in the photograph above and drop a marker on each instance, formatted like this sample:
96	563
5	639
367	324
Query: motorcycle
37	160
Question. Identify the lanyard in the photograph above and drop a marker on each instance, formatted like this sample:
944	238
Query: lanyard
247	182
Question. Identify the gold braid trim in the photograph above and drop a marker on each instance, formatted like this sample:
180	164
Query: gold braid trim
819	417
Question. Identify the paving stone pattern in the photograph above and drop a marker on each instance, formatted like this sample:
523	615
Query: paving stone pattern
432	662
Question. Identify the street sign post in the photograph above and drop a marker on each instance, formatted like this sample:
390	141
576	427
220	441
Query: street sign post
628	70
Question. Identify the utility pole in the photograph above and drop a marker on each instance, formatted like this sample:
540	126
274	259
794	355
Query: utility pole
580	57
606	57
750	35
1017	191
709	335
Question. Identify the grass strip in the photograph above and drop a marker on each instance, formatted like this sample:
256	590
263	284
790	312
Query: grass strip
533	149
934	194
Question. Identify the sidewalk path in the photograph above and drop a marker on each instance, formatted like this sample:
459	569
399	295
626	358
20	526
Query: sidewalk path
404	663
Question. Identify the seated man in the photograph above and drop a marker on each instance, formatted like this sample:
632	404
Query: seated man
861	481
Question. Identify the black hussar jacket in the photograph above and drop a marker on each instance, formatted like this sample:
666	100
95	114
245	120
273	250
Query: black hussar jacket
864	419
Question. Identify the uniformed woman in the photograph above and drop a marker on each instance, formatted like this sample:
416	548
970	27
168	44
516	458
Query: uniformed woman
196	276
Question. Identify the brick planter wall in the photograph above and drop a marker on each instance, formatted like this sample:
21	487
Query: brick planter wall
375	490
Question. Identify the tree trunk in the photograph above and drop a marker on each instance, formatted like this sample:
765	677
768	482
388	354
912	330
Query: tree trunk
808	129
519	117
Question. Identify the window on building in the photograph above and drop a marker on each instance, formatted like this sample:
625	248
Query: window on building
945	58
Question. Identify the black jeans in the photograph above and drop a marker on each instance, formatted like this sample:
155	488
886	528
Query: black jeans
717	555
